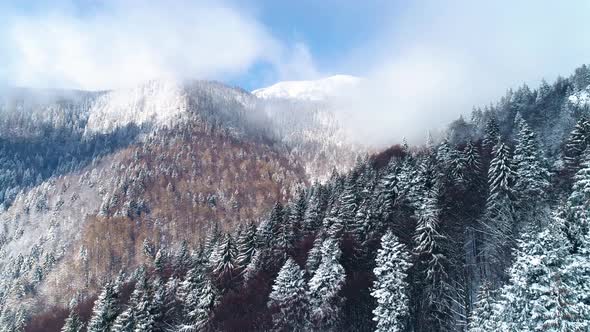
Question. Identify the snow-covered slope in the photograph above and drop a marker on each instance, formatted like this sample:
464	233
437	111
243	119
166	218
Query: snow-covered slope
316	90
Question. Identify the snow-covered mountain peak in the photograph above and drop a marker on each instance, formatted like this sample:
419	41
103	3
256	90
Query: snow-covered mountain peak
313	90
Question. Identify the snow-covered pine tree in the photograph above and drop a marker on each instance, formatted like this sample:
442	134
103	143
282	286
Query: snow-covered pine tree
436	297
390	288
314	256
73	323
105	309
387	191
325	301
313	211
578	205
223	261
269	228
576	144
498	223
491	134
199	307
548	287
531	175
481	316
246	246
287	300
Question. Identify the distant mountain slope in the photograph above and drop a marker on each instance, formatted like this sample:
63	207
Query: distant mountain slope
317	90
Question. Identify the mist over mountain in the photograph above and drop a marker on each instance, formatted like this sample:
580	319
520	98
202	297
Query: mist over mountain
194	205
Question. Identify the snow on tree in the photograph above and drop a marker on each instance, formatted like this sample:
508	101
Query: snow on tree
481	317
314	256
105	309
498	223
531	175
223	260
491	134
432	264
246	246
548	287
578	204
390	288
199	307
287	300
576	144
73	323
313	211
325	301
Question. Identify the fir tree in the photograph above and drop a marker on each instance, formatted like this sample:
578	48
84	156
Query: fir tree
390	289
576	144
105	309
548	288
481	317
73	323
578	205
223	261
287	299
325	301
246	246
531	176
498	223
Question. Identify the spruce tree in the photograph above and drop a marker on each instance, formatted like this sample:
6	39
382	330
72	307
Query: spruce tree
576	144
548	287
246	246
578	204
73	323
105	309
325	301
498	223
531	175
223	261
390	288
287	300
481	317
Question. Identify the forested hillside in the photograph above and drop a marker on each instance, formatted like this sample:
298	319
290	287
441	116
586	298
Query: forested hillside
484	230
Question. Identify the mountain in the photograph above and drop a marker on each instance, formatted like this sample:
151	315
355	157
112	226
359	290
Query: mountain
196	206
87	178
316	90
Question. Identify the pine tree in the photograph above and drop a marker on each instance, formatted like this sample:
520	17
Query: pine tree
390	289
199	307
325	301
432	263
269	228
531	176
223	261
314	257
548	288
73	323
498	223
491	134
246	246
105	309
313	212
481	317
576	144
578	204
287	299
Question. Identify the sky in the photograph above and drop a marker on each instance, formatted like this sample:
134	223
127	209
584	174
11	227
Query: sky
425	61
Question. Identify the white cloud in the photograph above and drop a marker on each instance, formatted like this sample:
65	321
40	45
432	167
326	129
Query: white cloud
122	43
436	59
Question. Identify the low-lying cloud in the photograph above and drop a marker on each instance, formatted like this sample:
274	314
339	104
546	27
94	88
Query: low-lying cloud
438	59
122	43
